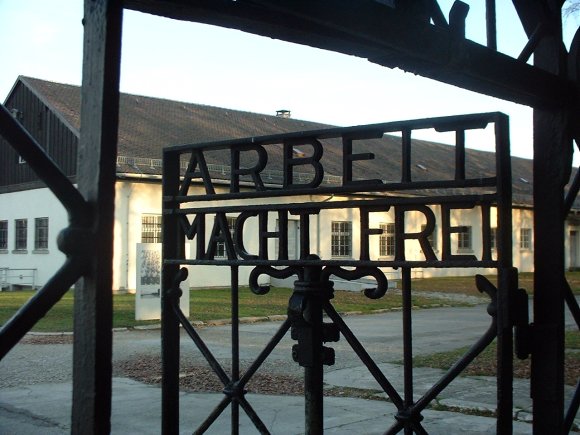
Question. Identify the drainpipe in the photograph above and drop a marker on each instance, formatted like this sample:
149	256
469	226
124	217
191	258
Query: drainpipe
318	224
127	228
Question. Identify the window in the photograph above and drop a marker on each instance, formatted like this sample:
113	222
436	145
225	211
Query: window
3	235
21	234
493	239
151	228
387	240
525	238
41	234
431	237
464	239
220	251
341	239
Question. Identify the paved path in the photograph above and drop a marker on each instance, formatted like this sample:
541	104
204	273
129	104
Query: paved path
35	379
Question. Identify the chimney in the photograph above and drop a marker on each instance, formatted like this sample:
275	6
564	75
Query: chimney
283	113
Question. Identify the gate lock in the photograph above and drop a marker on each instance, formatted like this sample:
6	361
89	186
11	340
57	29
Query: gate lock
305	311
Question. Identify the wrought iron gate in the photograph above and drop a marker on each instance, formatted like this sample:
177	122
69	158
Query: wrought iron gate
247	197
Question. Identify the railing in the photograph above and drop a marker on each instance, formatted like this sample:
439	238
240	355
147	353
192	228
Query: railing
186	211
10	278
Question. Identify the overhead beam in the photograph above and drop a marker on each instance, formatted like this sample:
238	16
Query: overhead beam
384	35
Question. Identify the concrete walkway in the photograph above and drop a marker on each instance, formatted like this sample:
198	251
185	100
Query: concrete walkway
35	394
45	409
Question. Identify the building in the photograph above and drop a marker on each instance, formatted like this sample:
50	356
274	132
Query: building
30	218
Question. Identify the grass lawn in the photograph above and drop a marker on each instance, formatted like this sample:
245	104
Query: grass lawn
466	284
205	305
215	304
486	365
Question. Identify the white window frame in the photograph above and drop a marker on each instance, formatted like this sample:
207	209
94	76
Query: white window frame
3	235
525	239
465	239
20	235
341	239
41	234
220	251
387	240
151	228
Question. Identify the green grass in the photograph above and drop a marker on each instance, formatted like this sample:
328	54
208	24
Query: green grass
205	305
466	284
215	303
485	364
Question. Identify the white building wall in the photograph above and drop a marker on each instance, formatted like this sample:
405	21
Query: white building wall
29	205
523	219
134	199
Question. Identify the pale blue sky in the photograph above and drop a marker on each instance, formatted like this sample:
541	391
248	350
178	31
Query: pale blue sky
227	68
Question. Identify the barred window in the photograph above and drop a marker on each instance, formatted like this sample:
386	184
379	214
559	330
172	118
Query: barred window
41	233
21	234
525	238
220	251
387	240
464	239
341	239
151	228
3	234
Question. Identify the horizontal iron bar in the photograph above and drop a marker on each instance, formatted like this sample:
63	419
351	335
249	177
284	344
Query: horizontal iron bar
43	166
386	201
382	34
334	190
447	122
346	263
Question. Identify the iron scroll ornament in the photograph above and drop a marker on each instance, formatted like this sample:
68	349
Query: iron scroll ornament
359	272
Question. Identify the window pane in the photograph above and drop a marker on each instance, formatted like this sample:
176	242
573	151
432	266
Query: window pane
151	228
464	238
341	239
525	238
21	234
41	233
3	234
221	246
387	240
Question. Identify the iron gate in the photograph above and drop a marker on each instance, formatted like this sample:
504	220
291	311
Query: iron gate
249	198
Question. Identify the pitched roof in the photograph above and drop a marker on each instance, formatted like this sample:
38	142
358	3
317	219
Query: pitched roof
147	125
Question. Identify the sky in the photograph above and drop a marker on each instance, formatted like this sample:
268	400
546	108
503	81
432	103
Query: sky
227	68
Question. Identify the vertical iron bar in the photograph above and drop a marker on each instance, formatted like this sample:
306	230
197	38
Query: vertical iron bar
313	374
506	277
407	341
460	155
235	346
552	165
169	320
490	21
406	156
93	305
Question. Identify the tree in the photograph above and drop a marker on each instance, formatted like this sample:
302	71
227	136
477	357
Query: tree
572	7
